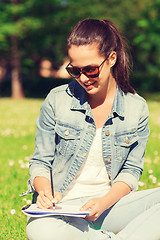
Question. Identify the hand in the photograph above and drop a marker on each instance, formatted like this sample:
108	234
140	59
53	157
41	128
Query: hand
97	206
46	200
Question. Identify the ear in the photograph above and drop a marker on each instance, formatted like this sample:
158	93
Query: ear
112	58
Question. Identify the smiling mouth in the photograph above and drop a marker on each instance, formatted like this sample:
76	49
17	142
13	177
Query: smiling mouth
90	84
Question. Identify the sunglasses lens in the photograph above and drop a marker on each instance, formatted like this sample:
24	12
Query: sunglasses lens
74	72
91	72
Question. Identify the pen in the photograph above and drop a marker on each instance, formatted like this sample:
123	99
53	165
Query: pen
51	177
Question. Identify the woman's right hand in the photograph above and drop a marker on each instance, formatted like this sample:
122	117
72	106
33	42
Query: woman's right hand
46	200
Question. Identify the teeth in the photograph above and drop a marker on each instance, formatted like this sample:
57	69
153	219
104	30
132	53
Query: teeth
88	84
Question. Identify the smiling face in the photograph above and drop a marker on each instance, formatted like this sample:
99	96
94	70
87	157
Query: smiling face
88	55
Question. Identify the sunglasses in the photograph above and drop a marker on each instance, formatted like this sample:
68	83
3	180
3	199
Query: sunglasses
89	71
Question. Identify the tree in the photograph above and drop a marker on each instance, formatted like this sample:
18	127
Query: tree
31	30
146	42
15	23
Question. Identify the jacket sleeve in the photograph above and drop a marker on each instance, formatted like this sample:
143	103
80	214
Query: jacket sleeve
44	150
132	167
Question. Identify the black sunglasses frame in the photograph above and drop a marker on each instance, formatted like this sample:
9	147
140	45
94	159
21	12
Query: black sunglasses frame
82	70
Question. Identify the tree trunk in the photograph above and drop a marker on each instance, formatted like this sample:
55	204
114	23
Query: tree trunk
16	85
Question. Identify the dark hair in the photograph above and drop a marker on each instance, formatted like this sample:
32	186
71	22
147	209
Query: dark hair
109	39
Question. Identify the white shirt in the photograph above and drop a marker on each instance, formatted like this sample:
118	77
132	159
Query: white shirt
92	178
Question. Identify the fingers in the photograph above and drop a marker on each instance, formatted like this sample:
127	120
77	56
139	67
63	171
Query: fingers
91	218
94	205
46	200
57	197
91	206
93	215
87	205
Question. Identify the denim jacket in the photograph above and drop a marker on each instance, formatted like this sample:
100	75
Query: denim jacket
66	128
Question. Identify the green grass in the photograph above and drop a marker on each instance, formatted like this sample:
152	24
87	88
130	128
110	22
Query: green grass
150	176
17	133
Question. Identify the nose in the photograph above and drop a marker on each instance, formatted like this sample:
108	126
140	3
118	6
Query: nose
83	78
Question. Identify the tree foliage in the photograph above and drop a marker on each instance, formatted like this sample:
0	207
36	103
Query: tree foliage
40	29
146	40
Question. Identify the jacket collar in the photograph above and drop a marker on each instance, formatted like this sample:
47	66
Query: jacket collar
118	103
80	101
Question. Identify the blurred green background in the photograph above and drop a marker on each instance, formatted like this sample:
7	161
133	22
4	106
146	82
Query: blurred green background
33	36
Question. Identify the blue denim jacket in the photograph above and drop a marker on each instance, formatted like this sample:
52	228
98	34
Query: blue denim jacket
66	128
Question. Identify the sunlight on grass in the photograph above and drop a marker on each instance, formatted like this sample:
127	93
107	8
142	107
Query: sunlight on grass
18	125
17	131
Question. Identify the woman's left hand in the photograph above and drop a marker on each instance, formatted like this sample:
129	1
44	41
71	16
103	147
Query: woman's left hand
97	206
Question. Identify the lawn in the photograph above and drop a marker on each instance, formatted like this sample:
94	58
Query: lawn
17	131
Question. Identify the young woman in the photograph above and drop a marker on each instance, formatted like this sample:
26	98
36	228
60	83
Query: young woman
93	134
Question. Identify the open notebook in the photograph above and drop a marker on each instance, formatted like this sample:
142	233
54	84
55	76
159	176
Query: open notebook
60	209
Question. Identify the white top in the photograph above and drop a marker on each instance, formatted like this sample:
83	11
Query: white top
92	178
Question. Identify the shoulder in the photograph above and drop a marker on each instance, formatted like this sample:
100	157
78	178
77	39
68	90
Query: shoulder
135	97
63	91
136	103
60	97
63	88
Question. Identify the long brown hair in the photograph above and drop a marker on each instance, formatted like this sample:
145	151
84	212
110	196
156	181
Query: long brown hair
109	39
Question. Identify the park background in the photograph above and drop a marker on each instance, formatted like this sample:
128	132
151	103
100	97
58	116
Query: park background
33	53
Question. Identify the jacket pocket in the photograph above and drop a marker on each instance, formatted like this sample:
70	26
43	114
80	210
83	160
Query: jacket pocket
124	142
67	138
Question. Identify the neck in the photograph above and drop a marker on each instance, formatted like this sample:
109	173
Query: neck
101	97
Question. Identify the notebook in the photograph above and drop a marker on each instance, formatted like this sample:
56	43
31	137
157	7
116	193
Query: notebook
60	209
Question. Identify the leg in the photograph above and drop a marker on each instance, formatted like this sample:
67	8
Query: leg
125	210
145	226
63	228
54	228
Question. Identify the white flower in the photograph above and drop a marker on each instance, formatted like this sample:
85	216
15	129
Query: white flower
23	165
25	147
156	160
27	165
13	211
28	201
27	158
154	180
151	176
147	160
7	132
150	171
141	184
11	163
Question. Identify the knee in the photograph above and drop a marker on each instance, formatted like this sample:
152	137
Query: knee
41	229
49	228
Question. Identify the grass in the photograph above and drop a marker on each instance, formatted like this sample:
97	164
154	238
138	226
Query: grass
17	133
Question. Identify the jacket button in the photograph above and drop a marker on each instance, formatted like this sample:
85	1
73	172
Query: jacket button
107	133
127	140
66	133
